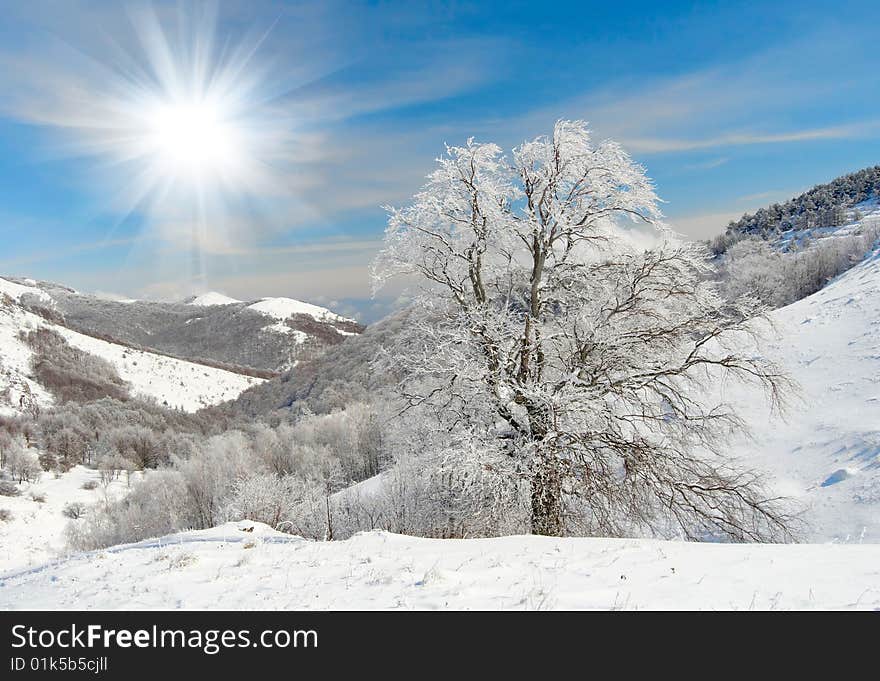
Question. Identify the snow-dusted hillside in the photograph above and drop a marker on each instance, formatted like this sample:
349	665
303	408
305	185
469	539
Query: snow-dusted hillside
212	298
15	357
284	308
16	291
230	568
826	453
862	215
269	335
178	383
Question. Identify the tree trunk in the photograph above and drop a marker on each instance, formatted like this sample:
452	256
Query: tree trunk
329	536
547	498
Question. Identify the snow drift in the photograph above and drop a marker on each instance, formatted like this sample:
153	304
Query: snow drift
245	565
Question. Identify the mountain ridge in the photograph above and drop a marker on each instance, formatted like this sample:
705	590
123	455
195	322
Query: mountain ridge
266	336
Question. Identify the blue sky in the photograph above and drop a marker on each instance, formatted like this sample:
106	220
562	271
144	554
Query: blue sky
729	105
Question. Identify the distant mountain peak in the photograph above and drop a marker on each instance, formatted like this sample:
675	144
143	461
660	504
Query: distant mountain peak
285	308
211	298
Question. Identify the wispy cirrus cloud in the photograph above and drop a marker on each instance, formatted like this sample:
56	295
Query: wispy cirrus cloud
708	164
747	101
659	145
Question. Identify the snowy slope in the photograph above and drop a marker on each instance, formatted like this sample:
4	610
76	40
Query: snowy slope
35	533
269	337
284	308
176	382
826	453
212	298
181	384
228	568
15	359
869	212
16	291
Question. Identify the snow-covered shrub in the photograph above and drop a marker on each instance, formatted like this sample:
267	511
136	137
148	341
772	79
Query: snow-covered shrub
108	470
5	515
7	438
313	515
211	473
8	489
65	439
38	497
156	505
265	498
89	485
23	464
753	267
137	444
74	510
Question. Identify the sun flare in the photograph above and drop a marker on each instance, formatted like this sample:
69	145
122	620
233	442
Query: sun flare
193	140
190	128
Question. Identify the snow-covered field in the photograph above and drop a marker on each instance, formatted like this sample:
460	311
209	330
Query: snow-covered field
229	568
16	291
35	533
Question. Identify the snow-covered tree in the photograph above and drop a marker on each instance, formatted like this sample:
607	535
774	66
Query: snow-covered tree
266	498
562	354
22	462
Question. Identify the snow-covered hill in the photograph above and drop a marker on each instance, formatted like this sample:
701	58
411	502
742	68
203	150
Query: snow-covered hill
826	452
16	380
16	291
233	568
175	382
285	308
212	298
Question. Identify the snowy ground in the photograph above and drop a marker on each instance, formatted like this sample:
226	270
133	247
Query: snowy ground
35	533
825	453
16	291
229	568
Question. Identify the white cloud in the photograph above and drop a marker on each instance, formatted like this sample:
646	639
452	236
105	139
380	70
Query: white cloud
656	145
704	225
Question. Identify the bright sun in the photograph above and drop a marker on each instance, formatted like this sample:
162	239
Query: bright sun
193	139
